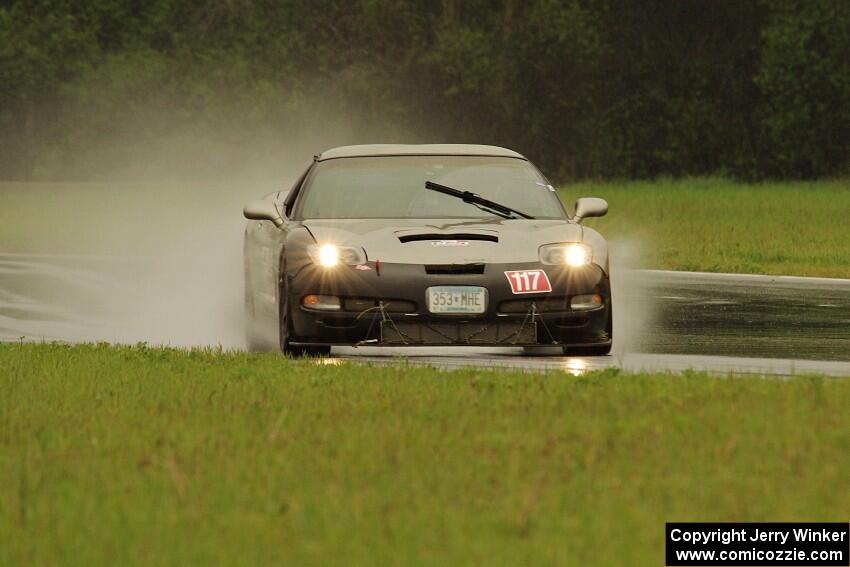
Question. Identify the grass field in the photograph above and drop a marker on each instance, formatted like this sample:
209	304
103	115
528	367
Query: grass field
692	224
130	456
716	225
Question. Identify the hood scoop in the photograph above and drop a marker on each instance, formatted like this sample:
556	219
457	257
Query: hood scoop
441	237
453	269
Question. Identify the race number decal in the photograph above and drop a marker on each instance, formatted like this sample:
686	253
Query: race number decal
529	281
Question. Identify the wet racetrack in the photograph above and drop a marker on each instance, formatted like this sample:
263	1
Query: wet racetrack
663	320
755	316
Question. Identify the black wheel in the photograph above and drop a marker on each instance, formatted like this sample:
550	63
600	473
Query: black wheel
595	350
286	331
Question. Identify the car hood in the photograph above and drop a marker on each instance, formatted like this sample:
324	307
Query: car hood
445	241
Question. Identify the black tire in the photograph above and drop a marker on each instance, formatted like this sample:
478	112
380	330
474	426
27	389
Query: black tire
286	331
595	350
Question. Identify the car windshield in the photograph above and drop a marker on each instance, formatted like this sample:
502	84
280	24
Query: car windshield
394	187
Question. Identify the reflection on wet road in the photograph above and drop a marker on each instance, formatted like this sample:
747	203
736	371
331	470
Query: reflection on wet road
663	320
754	316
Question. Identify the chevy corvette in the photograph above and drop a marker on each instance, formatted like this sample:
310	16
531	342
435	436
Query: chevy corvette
424	245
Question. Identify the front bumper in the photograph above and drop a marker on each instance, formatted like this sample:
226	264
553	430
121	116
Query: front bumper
541	318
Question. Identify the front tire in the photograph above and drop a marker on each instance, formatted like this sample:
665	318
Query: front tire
595	350
286	330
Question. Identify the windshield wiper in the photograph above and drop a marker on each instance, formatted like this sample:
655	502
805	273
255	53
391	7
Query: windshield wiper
477	200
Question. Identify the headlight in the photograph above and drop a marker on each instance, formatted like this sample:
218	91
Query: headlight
570	254
329	255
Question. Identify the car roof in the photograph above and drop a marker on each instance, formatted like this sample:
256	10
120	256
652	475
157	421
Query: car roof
366	150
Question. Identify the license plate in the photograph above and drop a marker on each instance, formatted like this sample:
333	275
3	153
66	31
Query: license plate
462	299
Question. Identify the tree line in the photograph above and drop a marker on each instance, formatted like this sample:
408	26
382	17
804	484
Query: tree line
586	88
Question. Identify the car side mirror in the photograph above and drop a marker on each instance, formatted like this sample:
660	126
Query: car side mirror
263	209
590	207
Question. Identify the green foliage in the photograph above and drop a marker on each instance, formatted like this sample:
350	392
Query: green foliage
150	456
805	78
587	88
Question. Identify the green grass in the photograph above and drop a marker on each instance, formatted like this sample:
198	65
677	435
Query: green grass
717	225
129	456
692	224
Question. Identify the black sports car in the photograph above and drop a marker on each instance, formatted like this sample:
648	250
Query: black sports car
431	245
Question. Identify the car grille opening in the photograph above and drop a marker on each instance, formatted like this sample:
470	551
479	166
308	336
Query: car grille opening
337	321
413	333
453	269
547	305
390	305
405	238
570	322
